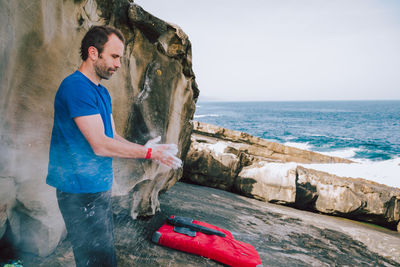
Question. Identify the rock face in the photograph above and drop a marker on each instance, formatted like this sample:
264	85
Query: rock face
271	172
153	94
354	198
272	182
7	201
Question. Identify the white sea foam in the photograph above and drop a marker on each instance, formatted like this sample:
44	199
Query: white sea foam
384	172
205	115
342	153
304	146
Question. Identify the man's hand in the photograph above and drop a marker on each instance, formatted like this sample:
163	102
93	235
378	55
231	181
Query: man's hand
161	155
164	153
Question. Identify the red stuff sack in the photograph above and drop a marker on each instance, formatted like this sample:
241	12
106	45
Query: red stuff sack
226	249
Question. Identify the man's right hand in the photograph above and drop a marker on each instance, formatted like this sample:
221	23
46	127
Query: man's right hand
164	153
161	154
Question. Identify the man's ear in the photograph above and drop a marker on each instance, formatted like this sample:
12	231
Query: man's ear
93	53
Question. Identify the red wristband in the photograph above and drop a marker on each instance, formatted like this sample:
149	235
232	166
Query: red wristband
148	154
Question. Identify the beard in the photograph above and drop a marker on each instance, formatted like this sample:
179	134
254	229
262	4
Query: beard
103	72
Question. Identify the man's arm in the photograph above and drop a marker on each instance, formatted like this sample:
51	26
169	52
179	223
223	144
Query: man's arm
93	130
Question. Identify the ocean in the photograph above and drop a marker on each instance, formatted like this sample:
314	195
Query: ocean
367	132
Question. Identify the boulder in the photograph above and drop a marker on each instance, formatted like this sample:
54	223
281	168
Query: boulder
161	102
354	198
36	222
272	182
153	94
272	172
212	165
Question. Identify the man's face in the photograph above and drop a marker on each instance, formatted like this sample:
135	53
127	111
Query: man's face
110	59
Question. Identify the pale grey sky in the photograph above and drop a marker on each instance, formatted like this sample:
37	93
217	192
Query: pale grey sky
271	50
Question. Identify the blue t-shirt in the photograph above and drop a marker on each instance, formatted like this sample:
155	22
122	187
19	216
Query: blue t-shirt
73	166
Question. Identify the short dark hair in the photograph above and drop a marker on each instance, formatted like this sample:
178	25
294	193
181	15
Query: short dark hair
97	36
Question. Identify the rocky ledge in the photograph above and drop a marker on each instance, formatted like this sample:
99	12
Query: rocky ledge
283	236
271	172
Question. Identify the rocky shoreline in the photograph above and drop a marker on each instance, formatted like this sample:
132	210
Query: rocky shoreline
271	172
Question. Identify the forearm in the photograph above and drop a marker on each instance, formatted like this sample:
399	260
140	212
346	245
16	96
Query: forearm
121	139
93	129
121	148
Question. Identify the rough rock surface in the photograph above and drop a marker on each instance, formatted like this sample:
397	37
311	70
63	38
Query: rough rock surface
267	171
7	201
153	94
354	198
32	227
272	182
283	236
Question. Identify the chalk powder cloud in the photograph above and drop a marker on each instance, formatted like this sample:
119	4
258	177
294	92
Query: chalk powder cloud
290	50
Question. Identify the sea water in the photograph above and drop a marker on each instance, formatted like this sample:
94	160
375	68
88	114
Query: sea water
367	132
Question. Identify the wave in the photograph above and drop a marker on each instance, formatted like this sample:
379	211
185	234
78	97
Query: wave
347	153
205	115
304	146
383	172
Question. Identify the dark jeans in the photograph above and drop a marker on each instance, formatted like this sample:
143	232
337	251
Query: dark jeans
89	222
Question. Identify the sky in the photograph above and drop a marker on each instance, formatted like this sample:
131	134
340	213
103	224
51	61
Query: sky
290	50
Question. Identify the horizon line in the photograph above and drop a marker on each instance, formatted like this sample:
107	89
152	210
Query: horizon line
322	100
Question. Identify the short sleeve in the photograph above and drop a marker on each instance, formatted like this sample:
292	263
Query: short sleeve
109	104
80	99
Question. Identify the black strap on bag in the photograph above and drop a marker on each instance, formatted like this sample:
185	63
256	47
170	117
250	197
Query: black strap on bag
186	226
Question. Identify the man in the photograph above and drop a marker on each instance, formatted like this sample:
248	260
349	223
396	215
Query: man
83	143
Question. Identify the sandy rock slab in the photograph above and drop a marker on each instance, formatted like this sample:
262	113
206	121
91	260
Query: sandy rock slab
283	236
